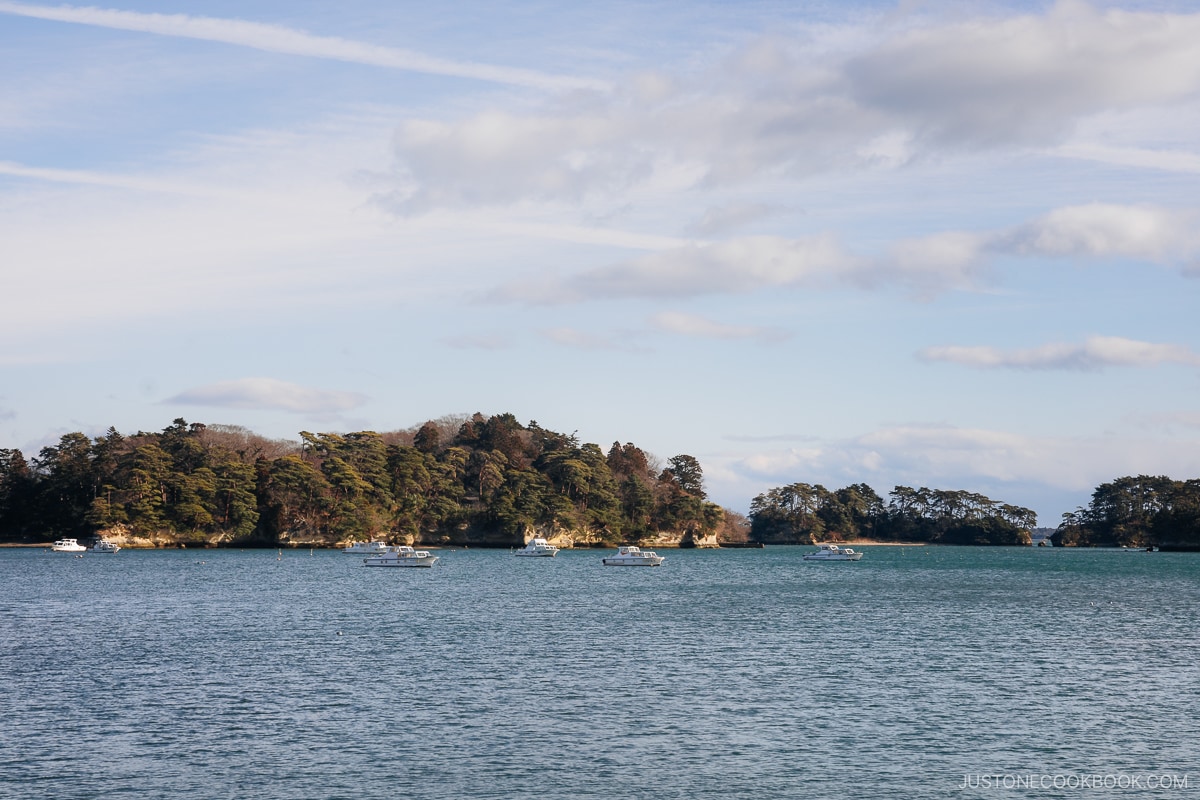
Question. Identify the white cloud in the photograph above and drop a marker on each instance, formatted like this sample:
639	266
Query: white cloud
1106	230
478	342
260	221
698	326
737	265
269	394
582	340
1169	160
937	262
724	219
1095	353
280	39
134	183
954	259
1004	465
1004	80
498	157
929	264
787	108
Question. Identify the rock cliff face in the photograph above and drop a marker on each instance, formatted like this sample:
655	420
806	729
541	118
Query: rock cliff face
567	538
125	537
557	535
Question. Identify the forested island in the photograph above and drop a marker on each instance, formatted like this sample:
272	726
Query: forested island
477	481
1142	511
494	482
801	513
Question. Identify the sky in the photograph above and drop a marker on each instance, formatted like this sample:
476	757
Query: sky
942	244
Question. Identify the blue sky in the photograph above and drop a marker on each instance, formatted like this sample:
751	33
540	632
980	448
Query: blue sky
952	245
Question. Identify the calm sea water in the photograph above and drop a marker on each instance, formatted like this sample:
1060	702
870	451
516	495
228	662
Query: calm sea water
721	674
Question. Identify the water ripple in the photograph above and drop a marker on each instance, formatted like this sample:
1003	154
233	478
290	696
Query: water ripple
733	674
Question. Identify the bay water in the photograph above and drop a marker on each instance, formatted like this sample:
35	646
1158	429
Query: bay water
915	672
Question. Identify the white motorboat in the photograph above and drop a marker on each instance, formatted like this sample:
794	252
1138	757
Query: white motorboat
68	546
371	548
402	556
538	548
833	552
103	546
630	556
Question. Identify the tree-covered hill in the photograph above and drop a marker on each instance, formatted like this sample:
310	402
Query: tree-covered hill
478	480
493	481
1141	511
801	513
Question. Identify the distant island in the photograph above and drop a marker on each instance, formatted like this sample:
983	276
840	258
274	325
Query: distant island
801	513
1144	511
492	482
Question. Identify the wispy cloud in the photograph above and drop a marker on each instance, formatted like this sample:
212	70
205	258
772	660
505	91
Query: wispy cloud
723	219
477	342
1094	231
1142	157
1095	353
737	265
269	394
923	89
1107	230
697	326
107	179
582	340
939	262
988	81
280	39
947	455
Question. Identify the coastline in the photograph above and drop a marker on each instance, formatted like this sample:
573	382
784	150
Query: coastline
849	543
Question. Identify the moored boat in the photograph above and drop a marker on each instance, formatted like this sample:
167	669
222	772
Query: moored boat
402	556
833	552
631	556
537	548
103	546
371	548
68	546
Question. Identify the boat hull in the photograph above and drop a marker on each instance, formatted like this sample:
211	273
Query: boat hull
400	562
537	548
632	556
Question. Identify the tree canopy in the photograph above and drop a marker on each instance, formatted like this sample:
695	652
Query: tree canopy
474	480
801	513
1136	511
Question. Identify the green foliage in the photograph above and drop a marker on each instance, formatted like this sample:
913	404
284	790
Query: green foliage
498	478
18	496
486	476
800	513
686	471
1141	511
